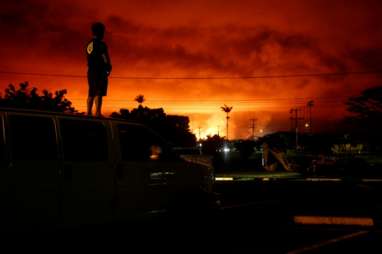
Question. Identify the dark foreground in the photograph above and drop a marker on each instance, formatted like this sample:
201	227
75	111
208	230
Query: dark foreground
234	231
251	219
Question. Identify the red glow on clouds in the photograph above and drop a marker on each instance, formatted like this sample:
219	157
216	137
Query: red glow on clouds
202	38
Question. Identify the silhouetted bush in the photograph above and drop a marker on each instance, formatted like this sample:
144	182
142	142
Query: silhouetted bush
29	98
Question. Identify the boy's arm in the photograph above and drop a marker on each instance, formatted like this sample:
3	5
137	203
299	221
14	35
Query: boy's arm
106	59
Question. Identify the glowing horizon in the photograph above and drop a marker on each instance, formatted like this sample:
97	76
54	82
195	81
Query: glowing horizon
202	38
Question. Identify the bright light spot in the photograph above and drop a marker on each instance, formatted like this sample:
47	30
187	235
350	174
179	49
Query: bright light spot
154	157
266	179
329	220
223	178
307	125
261	130
155	152
226	149
200	144
209	127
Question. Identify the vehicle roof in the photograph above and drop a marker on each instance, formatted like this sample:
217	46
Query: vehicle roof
53	113
77	115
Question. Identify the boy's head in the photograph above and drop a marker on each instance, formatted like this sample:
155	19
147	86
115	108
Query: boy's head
98	30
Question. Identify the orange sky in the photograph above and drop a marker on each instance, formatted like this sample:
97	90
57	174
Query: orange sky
202	38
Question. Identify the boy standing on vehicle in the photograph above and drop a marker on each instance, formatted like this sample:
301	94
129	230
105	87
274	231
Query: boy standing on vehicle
99	68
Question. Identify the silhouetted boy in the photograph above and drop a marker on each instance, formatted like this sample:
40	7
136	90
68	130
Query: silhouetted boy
99	68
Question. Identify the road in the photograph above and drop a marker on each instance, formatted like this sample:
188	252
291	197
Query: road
302	216
253	218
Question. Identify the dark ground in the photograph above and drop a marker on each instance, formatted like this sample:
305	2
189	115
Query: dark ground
252	219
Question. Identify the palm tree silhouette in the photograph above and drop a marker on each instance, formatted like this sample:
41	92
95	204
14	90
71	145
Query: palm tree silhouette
227	110
140	99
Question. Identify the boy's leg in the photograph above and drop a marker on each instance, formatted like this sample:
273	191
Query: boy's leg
90	104
98	103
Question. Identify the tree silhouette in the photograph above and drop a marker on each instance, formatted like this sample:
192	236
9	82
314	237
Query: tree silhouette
366	114
123	113
173	128
367	106
227	110
29	98
140	99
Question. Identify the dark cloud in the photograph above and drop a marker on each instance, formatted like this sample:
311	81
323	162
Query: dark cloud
228	49
120	24
42	28
20	20
258	39
367	58
294	46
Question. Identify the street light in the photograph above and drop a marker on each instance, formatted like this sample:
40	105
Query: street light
226	149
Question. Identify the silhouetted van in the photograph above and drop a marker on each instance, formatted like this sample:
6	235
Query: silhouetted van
60	168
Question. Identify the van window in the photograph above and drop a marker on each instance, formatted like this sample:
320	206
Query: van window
139	143
84	140
32	138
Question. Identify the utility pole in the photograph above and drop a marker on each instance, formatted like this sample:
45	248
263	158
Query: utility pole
291	119
310	105
200	141
253	120
218	131
295	120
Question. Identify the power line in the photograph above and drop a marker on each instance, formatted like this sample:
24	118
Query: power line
238	100
206	104
254	99
265	76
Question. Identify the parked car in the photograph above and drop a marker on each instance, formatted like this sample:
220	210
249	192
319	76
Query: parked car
60	168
